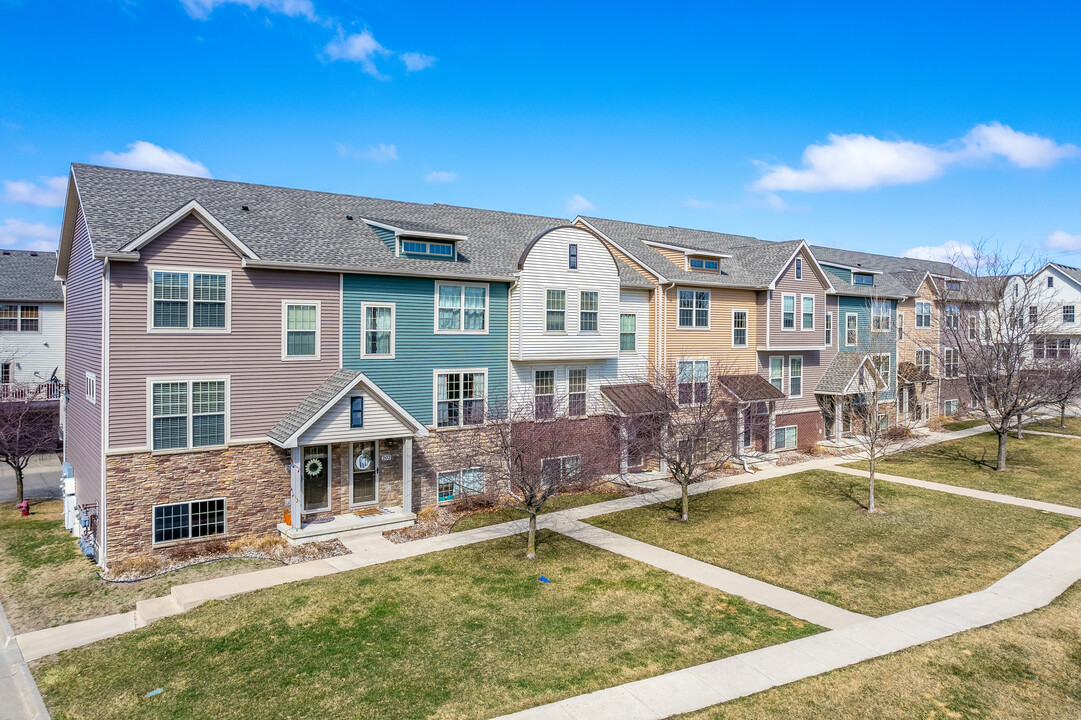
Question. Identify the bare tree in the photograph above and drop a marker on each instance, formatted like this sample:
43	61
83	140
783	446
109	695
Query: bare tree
27	426
536	447
1063	373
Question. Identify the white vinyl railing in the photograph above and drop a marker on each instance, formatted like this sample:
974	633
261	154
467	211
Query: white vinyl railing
19	392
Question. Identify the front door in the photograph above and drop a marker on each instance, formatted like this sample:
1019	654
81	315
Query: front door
365	484
315	470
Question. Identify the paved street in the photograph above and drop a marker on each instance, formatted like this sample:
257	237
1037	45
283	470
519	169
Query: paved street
41	480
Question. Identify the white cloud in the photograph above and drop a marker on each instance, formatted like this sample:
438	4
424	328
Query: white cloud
359	47
22	235
861	162
578	204
777	204
416	61
380	153
142	155
50	193
949	251
201	9
1061	240
441	176
698	204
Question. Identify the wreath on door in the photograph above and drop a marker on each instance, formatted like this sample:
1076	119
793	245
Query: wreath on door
313	467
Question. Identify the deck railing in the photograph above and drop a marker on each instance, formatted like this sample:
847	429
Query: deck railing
39	392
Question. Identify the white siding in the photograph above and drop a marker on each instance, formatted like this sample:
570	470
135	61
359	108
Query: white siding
600	373
34	356
333	426
545	268
633	367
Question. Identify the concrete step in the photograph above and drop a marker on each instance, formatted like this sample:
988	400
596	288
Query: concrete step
147	611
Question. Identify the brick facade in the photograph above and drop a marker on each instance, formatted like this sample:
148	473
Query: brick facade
810	427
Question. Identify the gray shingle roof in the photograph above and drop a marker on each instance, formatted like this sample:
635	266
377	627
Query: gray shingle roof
629	277
414	226
901	277
28	275
1069	271
312	405
839	373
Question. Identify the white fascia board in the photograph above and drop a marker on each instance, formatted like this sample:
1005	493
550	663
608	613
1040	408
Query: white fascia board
189	208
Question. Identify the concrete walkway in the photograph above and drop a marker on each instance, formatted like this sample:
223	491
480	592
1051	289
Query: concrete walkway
1031	586
19	696
41	479
1052	434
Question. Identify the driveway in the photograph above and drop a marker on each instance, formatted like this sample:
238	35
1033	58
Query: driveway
41	479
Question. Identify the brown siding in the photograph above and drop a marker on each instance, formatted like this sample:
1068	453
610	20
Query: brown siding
82	342
622	257
813	367
716	342
673	256
263	388
787	283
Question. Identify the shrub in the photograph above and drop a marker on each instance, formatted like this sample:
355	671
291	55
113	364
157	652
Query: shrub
897	433
138	565
429	513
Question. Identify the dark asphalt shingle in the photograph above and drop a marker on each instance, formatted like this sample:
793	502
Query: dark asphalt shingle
27	275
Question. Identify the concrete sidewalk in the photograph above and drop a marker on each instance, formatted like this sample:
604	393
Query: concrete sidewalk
41	479
19	696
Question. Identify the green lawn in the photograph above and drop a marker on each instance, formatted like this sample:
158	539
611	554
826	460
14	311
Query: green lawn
45	580
463	633
1027	667
963	424
1039	467
494	516
808	532
1073	426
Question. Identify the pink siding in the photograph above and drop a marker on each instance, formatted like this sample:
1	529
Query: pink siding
263	387
82	354
788	284
813	367
761	301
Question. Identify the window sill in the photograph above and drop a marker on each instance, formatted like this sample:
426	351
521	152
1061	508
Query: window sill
299	358
172	543
692	327
461	332
181	451
370	356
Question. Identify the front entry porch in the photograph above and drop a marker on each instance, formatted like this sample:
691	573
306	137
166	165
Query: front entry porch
347	526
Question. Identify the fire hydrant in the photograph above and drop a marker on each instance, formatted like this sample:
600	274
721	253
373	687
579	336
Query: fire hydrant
24	506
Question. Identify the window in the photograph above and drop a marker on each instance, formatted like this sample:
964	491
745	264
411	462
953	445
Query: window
1050	281
461	308
556	311
829	329
187	413
697	263
181	521
808	303
799	268
953	317
577	382
91	386
572	256
356	412
5	373
900	326
923	314
883	421
923	361
949	407
587	311
784	438
953	285
459	398
566	468
950	362
1033	314
420	247
378	330
1051	349
1067	313
457	483
628	332
189	300
692	381
693	308
882	367
20	318
880	316
739	328
850	328
788	312
776	372
863	279
544	392
973	329
795	376
301	331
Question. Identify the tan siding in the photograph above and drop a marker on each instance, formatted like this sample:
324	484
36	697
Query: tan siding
716	342
673	256
263	388
622	257
787	284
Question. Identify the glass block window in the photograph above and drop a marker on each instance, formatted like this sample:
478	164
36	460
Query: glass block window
577	392
628	332
462	308
458	483
460	399
194	300
555	306
301	327
788	312
692	380
544	390
588	311
181	521
693	308
184	410
379	330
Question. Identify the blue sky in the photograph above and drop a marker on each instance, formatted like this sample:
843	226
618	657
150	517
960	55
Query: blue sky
880	127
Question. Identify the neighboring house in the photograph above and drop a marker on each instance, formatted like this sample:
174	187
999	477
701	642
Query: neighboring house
1057	288
919	371
31	321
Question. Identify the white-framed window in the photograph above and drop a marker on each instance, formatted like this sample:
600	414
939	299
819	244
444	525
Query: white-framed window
628	332
851	329
577	391
799	268
784	438
5	373
428	247
692	381
1033	314
378	338
923	314
900	326
883	421
883	367
460	397
739	328
923	361
300	329
564	468
808	312
20	318
953	317
950	363
1068	313
701	263
788	312
188	300
776	371
544	393
693	308
829	329
187	412
572	256
588	310
949	407
973	328
188	520
461	308
880	316
454	484
555	311
1050	283
91	387
795	376
863	279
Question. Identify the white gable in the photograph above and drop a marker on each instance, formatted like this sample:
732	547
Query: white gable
333	425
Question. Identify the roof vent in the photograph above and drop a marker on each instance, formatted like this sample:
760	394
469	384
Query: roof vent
7	252
244	208
348	217
33	254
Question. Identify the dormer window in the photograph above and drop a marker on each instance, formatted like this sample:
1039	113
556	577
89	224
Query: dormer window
425	247
699	263
953	285
863	279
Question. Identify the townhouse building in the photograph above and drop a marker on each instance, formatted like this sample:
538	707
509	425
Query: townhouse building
31	320
1057	288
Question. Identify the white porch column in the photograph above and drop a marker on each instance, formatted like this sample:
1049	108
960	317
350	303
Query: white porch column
838	419
624	440
407	474
741	413
771	441
664	443
296	489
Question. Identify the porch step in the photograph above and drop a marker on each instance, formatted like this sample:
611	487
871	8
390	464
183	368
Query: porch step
347	527
147	611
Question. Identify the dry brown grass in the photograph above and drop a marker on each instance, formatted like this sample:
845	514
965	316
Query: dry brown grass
139	565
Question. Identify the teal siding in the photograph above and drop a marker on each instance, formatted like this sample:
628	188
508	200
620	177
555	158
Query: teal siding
862	308
845	275
418	349
387	236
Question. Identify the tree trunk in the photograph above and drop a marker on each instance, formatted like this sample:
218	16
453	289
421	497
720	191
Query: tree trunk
1002	435
1020	428
1062	416
18	484
686	501
871	486
531	552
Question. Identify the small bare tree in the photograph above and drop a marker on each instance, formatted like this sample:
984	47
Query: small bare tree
536	447
27	427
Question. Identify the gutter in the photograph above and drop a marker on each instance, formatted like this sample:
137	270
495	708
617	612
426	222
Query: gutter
318	267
